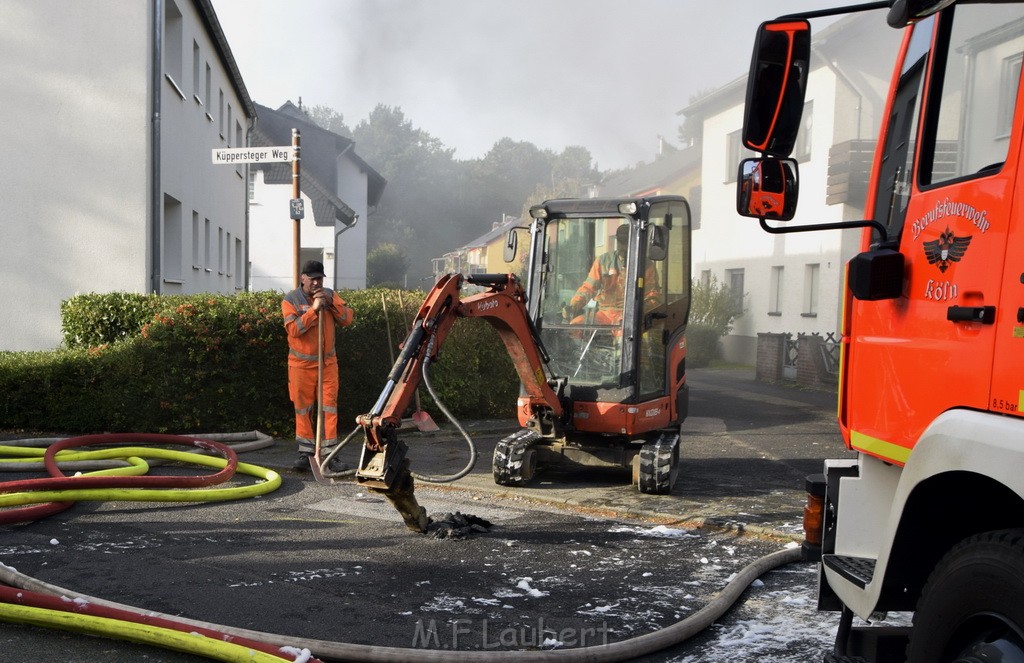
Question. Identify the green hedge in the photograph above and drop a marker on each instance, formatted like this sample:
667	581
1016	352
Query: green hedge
214	363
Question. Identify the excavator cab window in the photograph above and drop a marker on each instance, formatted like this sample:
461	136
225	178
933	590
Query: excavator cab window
583	298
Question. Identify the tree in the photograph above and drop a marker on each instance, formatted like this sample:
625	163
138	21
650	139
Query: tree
386	265
422	176
712	313
327	118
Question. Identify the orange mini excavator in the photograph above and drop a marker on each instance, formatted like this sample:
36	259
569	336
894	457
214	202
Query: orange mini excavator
596	337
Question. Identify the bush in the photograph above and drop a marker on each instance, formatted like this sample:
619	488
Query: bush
701	345
712	312
214	363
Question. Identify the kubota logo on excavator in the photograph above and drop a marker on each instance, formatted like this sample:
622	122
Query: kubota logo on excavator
486	306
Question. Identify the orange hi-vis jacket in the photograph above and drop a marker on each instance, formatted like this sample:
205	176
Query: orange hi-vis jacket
300	323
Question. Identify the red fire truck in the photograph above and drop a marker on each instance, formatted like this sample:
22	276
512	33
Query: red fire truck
929	517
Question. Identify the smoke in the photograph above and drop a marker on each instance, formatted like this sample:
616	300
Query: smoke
607	75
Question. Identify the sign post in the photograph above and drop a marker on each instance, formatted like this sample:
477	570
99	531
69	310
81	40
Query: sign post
296	214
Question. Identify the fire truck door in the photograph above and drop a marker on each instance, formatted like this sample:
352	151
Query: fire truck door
948	199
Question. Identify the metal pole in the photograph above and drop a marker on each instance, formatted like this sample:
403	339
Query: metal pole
296	195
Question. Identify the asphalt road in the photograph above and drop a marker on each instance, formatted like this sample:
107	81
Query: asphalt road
577	558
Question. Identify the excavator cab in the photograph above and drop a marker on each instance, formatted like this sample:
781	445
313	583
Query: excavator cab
608	288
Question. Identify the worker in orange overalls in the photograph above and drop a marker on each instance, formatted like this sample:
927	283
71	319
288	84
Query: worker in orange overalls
605	285
301	310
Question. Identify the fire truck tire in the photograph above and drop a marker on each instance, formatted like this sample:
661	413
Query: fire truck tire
659	463
971	607
514	462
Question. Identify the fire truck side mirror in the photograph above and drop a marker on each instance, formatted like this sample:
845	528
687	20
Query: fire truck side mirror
511	245
776	86
876	274
767	188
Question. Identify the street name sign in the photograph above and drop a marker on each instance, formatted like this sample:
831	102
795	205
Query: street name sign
232	155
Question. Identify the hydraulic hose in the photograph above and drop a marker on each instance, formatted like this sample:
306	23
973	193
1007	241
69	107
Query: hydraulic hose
469	441
341	651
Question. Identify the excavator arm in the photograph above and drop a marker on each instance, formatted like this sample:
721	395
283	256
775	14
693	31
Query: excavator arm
383	466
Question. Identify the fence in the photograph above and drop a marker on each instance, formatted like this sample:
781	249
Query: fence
808	359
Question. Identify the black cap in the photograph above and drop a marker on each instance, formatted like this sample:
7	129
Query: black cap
314	269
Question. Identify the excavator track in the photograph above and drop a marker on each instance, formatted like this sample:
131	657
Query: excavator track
513	462
659	464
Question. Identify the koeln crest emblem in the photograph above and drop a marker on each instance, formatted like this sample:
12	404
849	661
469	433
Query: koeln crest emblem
946	249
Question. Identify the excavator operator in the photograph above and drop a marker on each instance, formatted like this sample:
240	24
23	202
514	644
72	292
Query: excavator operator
605	285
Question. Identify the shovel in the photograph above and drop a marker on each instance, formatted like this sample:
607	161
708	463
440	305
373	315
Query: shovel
314	460
422	420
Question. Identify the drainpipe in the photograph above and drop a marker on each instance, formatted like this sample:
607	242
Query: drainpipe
246	283
155	193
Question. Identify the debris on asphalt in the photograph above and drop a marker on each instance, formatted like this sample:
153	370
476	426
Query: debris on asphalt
456	525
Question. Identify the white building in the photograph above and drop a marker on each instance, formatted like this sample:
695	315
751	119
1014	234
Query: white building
111	110
338	190
792	283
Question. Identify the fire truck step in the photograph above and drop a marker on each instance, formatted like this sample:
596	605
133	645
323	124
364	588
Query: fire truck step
858	570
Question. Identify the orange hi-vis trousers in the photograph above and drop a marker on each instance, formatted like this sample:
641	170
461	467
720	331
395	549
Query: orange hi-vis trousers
302	390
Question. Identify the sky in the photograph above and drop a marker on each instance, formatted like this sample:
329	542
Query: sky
609	75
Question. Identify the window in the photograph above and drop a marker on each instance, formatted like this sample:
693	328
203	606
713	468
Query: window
220	114
171	242
802	149
970	112
238	263
775	292
227	255
220	250
209	79
227	127
811	273
196	80
893	187
705	278
206	246
735	279
195	241
694	199
252	185
173	38
1008	93
735	152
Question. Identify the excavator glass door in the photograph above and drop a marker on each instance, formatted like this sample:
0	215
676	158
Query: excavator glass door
583	298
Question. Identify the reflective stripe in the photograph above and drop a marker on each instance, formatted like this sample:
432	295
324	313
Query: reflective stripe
301	355
332	410
304	410
880	448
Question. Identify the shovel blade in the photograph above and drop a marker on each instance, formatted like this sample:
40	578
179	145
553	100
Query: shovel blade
423	422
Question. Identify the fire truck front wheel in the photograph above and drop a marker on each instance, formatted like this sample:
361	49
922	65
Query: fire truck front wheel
971	608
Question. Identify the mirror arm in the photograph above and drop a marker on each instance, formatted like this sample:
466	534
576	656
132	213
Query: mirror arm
836	11
840	225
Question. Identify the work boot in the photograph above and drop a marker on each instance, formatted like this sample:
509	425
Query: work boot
335	465
301	463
